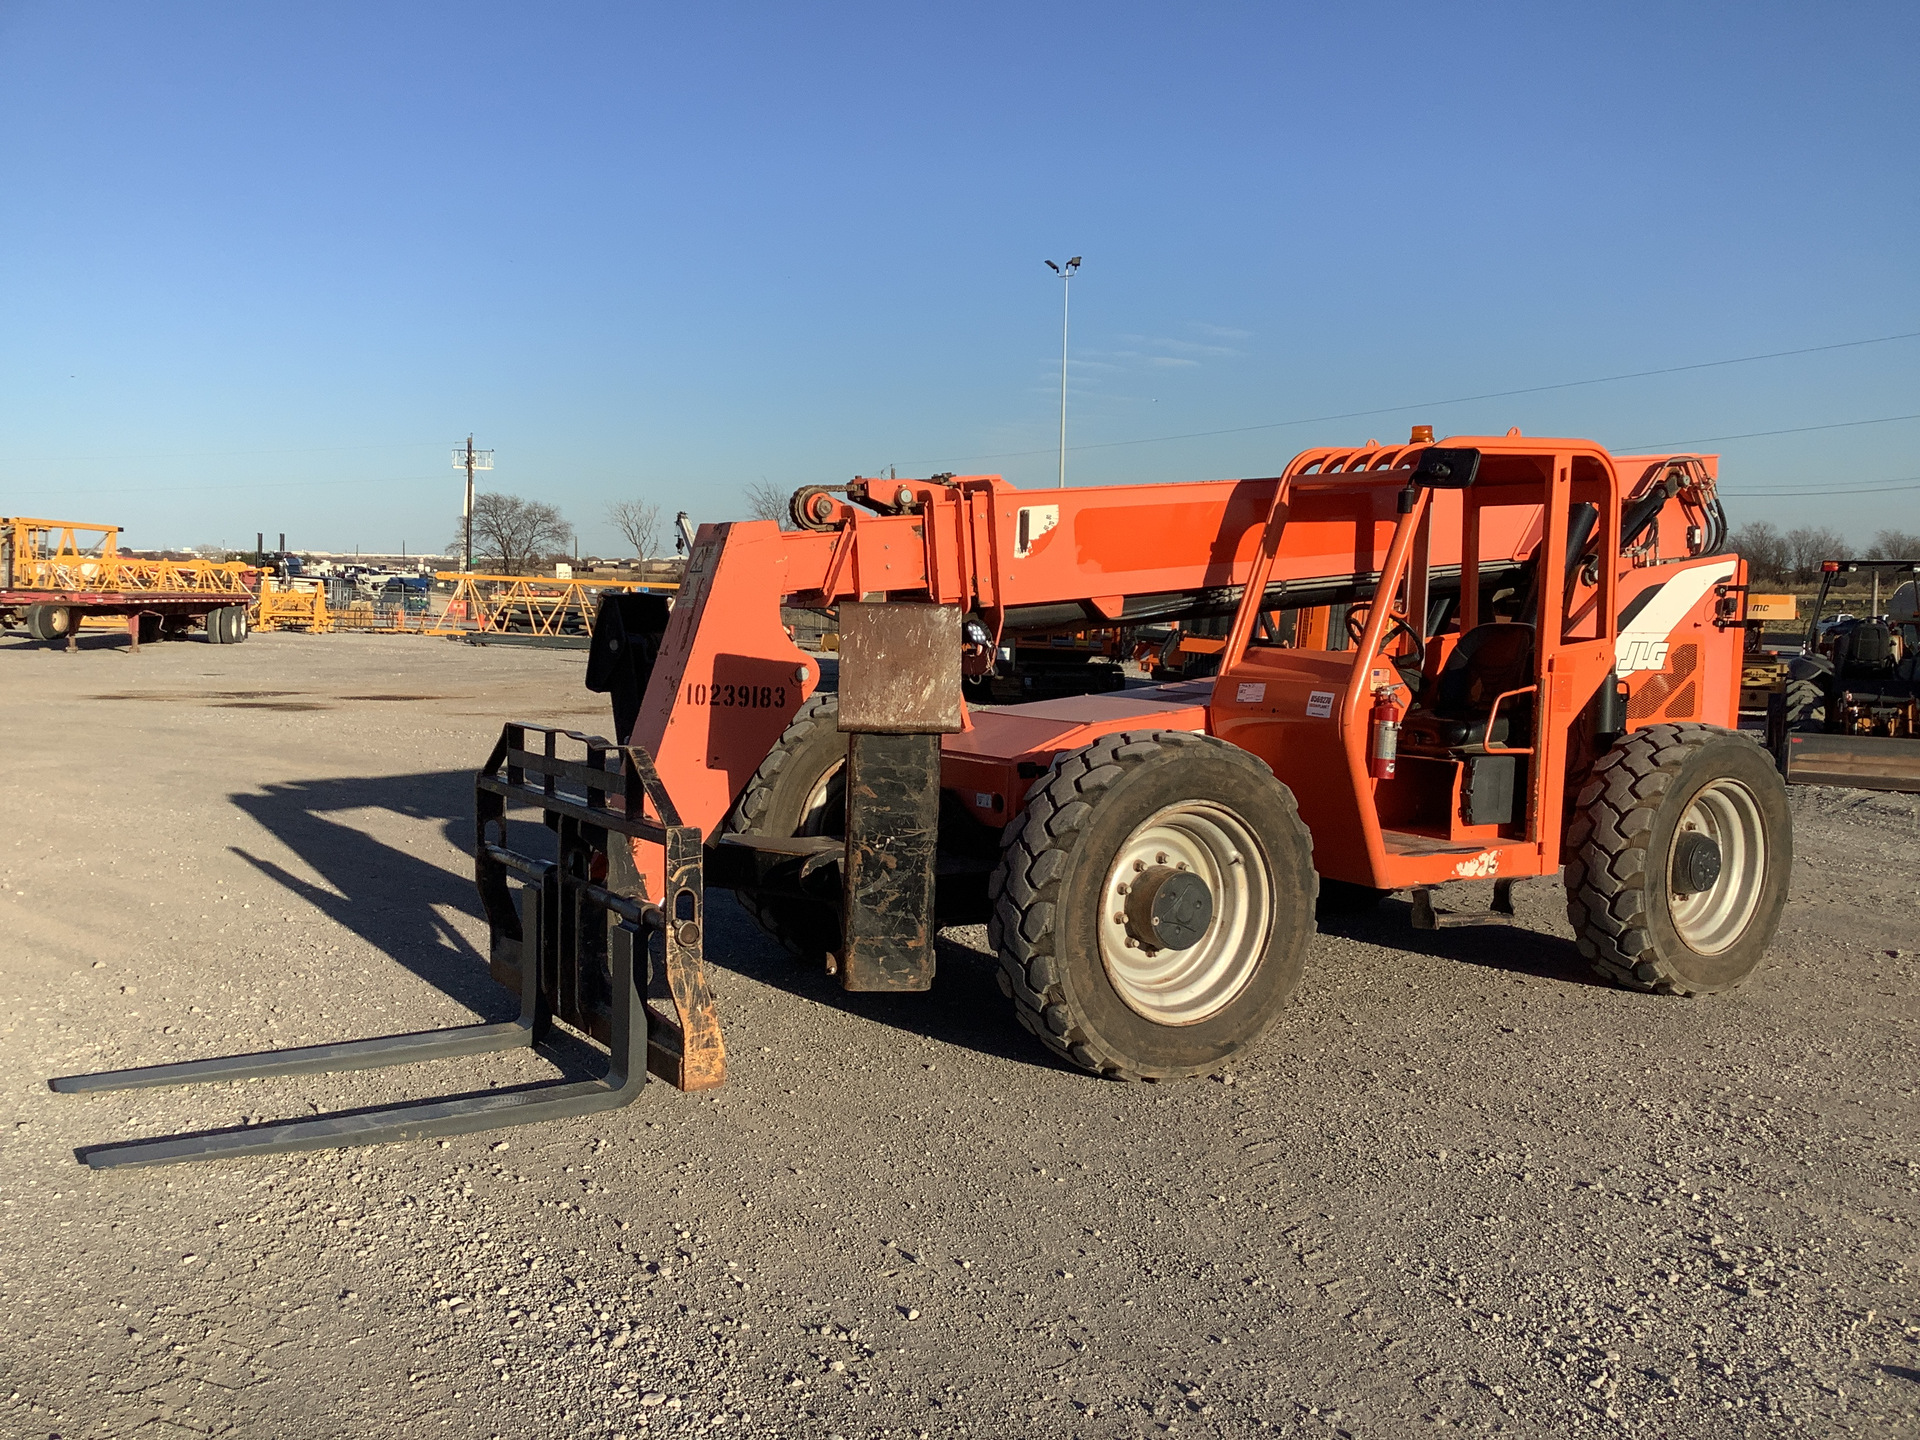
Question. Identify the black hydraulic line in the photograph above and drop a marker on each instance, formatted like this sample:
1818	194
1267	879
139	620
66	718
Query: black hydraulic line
1643	511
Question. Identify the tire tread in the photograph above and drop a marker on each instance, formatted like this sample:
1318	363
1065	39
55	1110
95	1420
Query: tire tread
1034	859
1607	854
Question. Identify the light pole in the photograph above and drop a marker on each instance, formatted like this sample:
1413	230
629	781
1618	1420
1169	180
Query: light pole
471	460
1065	272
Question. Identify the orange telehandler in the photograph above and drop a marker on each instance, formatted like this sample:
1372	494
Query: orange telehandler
1490	657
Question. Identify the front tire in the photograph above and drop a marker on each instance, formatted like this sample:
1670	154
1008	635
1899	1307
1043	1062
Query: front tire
1095	969
799	789
1678	860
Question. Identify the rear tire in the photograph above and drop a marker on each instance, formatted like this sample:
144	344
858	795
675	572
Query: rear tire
799	789
1624	847
1806	706
37	622
1183	801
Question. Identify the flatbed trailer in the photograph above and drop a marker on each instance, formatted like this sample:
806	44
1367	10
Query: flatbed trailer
57	574
54	615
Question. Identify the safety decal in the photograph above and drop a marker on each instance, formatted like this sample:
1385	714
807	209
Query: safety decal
1251	692
1033	522
1319	704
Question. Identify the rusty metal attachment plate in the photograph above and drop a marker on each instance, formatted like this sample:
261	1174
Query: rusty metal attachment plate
899	668
893	829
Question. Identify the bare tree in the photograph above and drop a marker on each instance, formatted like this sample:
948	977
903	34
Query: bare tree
512	533
1808	545
768	502
1763	548
1894	545
639	522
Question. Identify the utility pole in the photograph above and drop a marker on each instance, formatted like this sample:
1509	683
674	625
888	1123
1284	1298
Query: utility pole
472	460
1065	272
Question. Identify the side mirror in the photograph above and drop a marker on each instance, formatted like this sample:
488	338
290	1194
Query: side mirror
1446	469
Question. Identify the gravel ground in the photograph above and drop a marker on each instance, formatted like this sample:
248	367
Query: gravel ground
1461	1186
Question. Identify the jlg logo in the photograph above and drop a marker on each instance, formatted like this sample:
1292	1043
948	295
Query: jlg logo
1642	655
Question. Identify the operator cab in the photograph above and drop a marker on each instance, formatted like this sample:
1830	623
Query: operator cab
1459	658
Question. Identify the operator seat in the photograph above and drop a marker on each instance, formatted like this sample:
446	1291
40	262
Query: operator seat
1489	661
1867	646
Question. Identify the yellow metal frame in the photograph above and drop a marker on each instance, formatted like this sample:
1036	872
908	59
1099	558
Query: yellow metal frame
529	604
289	605
378	619
59	555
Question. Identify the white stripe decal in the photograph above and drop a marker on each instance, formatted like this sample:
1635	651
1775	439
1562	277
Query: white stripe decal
1643	644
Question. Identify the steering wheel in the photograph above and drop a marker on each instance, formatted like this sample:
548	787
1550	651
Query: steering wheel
1358	616
1411	664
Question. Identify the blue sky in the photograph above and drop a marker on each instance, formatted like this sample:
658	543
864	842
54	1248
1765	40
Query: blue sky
261	266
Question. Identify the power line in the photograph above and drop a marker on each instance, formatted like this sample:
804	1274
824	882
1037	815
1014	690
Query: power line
1762	485
209	454
1462	399
1757	434
241	485
1885	489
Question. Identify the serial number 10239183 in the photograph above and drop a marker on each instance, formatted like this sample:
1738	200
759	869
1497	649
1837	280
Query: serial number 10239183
753	697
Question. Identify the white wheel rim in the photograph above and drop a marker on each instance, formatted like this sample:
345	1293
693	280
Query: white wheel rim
1184	987
1711	920
815	816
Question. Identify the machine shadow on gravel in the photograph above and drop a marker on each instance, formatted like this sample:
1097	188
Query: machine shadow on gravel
390	897
964	1008
394	900
1514	948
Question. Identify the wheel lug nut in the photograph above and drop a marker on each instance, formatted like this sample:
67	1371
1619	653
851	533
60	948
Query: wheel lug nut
1161	858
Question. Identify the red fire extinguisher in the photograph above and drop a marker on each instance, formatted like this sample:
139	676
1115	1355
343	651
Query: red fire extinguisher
1386	736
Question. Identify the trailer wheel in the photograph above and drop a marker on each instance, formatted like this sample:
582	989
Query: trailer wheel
227	625
1153	904
799	789
1678	860
50	622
